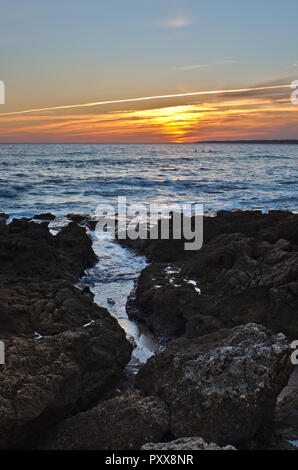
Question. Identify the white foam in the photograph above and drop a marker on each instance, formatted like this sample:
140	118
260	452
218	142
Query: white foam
193	283
89	323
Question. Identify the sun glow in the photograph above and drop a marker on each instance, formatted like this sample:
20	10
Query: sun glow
237	117
174	122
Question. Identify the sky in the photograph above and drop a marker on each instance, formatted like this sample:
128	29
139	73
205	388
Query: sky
69	52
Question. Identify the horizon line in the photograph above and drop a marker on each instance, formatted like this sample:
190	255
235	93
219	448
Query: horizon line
197	142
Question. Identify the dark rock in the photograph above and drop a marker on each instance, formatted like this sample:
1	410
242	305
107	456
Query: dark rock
46	216
286	418
45	307
63	353
269	227
3	217
246	271
46	379
122	423
77	218
221	386
85	220
29	250
37	271
186	443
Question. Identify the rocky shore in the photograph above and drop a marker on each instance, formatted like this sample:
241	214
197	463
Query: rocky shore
63	353
246	271
206	307
225	316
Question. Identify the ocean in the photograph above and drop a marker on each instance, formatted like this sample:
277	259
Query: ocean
65	178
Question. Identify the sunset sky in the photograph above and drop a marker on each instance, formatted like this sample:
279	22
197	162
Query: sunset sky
70	52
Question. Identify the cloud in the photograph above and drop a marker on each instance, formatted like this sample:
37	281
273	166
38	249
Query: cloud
202	66
249	117
177	22
223	92
295	64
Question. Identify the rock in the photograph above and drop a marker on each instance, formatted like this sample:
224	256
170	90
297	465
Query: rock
122	423
77	218
3	217
74	241
44	216
46	379
186	443
29	250
222	386
286	418
37	271
85	220
63	352
246	271
46	307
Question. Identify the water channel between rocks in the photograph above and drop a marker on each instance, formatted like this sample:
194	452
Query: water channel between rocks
111	280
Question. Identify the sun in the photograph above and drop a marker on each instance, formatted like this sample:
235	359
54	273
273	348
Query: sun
174	122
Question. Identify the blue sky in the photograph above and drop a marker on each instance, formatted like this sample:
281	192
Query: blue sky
100	49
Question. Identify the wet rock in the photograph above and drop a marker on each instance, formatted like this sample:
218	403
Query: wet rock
44	216
77	218
222	386
37	271
122	423
3	217
246	271
29	250
286	418
48	308
85	220
46	379
186	443
63	352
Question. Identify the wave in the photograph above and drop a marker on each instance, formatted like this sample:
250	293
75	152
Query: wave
272	157
8	192
287	182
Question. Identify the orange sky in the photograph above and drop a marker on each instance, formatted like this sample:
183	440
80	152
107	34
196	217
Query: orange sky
267	114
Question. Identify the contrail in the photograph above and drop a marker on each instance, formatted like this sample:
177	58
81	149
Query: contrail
147	98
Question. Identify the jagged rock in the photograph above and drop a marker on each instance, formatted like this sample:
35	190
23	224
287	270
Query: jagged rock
46	379
122	423
29	250
286	418
243	273
37	271
77	218
44	216
222	386
47	308
85	220
186	443
3	217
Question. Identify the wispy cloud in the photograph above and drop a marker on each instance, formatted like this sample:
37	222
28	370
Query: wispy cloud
244	117
210	64
177	22
149	98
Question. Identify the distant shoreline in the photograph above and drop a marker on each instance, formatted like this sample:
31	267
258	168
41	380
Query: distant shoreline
276	142
271	142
